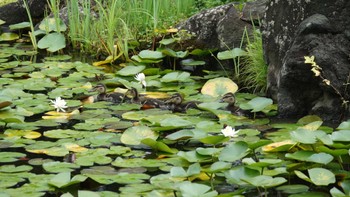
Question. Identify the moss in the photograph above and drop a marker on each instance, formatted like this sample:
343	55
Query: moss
4	2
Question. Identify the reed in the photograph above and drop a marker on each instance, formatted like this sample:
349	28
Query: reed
120	22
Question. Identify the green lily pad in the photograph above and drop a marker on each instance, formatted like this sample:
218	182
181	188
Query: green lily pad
239	148
130	70
21	25
10	156
176	54
322	158
153	55
176	77
293	189
13	168
57	167
9	36
52	42
231	54
63	179
266	181
134	135
194	189
321	176
122	178
50	24
219	86
192	62
158	146
257	104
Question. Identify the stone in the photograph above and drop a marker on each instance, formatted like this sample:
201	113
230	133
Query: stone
221	27
15	12
294	29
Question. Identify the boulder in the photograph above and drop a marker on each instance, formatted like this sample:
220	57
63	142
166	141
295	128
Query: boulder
294	29
15	12
222	27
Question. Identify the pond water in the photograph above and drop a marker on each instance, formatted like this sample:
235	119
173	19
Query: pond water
99	148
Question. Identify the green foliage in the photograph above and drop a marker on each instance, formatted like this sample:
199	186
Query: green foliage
254	68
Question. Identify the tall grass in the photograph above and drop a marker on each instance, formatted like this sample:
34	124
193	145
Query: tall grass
120	22
254	68
31	33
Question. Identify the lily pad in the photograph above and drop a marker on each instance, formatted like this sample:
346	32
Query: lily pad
130	70
52	42
134	135
10	156
57	167
9	36
219	86
148	54
176	77
231	54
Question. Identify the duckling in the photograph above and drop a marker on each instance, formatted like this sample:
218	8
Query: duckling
147	103
231	100
113	97
175	103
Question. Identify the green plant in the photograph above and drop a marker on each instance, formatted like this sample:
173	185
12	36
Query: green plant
254	68
31	33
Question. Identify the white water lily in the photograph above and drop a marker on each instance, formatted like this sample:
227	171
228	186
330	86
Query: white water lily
59	104
228	131
141	78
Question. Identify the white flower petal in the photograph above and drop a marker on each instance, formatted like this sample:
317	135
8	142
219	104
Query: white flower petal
59	104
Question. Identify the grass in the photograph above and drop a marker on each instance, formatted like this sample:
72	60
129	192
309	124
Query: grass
253	68
121	22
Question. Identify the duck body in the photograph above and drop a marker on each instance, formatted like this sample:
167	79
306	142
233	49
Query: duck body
233	108
113	97
146	103
176	104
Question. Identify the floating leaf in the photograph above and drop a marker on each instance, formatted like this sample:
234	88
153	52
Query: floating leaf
265	181
10	156
192	62
158	146
293	189
21	25
148	54
239	148
231	54
9	36
13	168
50	24
134	135
176	77
219	86
194	189
257	104
310	156
52	42
321	176
130	70
57	167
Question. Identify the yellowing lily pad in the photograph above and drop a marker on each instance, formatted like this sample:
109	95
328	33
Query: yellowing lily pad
279	146
74	147
219	86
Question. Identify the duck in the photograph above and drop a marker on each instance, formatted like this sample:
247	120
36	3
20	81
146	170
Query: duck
113	97
146	103
232	107
175	103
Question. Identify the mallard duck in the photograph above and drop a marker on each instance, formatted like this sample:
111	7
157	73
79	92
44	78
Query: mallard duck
175	103
114	97
147	103
231	100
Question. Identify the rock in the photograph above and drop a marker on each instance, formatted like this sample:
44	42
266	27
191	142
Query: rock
220	27
294	29
15	12
253	12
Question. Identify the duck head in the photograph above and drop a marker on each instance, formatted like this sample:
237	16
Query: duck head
175	99
228	98
100	88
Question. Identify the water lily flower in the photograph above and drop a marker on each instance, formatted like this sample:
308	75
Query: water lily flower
228	131
59	104
141	78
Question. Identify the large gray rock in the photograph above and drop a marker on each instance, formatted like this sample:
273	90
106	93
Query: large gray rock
222	27
294	29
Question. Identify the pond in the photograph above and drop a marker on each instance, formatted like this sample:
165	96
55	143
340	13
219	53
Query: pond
101	148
